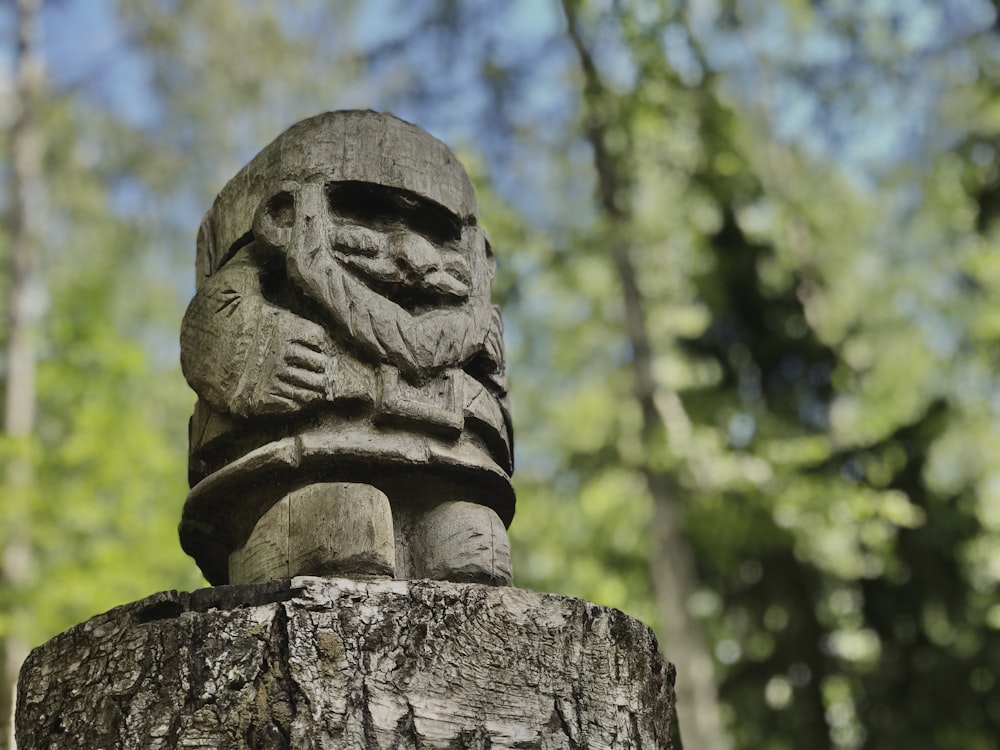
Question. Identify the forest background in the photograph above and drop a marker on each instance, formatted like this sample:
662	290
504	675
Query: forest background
750	270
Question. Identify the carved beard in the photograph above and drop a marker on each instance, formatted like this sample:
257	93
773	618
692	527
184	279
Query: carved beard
419	344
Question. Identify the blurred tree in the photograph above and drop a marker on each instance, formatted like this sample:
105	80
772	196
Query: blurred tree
748	258
24	219
610	122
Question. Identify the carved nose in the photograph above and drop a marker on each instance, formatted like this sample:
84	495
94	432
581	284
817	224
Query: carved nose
415	255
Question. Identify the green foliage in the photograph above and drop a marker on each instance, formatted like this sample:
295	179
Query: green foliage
822	315
107	456
831	345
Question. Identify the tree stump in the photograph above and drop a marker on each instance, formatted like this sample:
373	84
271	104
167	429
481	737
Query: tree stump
335	663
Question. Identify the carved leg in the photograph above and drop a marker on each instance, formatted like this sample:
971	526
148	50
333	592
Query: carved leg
462	542
330	529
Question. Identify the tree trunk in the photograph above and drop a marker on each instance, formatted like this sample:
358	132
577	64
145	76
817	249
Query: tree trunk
19	359
335	663
672	562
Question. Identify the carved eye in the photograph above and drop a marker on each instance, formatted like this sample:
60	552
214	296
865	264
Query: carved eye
381	207
281	209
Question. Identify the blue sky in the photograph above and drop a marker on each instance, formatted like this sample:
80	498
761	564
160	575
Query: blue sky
85	45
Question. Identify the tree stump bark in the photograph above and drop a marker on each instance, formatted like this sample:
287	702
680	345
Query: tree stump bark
335	663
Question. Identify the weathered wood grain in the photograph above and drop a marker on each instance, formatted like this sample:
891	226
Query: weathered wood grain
342	332
333	528
330	663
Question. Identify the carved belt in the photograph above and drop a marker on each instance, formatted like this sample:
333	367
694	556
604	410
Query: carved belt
437	407
435	404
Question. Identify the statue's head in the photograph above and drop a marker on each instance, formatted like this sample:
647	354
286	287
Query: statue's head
376	222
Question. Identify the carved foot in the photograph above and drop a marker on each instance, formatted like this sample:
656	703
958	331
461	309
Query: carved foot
462	542
334	529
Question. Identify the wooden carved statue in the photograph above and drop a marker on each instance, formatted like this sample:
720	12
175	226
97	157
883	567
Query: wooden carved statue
351	416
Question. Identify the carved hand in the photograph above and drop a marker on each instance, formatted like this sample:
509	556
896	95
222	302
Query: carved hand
292	354
246	356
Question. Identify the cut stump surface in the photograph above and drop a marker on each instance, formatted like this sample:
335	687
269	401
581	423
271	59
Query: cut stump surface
335	663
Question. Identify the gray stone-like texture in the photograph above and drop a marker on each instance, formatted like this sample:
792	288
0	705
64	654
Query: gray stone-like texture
316	663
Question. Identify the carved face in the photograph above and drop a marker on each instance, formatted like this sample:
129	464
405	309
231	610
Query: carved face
403	247
402	278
